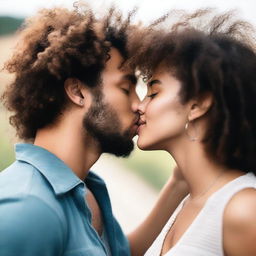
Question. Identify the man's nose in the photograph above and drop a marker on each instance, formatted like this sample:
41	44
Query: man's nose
135	103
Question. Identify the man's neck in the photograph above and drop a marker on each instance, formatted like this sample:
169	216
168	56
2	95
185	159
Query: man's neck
71	146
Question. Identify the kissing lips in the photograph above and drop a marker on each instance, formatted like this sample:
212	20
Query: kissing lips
134	127
141	124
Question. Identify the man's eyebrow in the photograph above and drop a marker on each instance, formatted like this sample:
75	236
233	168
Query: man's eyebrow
152	82
131	78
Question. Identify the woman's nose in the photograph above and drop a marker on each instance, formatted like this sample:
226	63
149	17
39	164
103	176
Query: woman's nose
142	106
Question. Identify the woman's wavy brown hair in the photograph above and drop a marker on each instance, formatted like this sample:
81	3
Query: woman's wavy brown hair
214	53
54	45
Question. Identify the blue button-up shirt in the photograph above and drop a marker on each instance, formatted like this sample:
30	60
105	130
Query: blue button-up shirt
43	211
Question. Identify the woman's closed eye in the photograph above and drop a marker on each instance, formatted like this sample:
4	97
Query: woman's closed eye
152	95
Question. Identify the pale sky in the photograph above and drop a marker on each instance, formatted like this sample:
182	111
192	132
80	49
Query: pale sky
149	9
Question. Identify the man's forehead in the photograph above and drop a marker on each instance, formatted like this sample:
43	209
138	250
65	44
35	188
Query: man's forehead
116	61
130	77
129	73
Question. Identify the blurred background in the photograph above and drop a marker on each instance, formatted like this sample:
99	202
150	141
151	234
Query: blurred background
133	182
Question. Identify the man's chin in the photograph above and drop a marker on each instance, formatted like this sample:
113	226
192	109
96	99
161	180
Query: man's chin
117	154
119	149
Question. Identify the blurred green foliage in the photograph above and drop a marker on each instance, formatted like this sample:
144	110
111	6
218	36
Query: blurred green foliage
9	25
6	145
154	166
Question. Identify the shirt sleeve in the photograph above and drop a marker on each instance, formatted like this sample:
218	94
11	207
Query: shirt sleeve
28	226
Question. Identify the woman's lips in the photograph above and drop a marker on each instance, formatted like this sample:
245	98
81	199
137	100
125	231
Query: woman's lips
141	122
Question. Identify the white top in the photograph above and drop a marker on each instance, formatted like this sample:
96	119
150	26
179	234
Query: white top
204	235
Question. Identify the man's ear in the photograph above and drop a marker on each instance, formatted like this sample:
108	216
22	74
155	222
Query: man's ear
75	91
200	106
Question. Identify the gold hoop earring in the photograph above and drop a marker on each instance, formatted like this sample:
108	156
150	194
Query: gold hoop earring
190	136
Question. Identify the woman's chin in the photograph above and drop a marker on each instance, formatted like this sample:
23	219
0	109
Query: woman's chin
144	145
141	144
149	144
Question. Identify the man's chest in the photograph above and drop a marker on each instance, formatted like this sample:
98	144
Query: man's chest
84	223
97	221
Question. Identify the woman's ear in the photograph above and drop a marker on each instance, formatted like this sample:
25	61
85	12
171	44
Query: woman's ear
75	91
200	106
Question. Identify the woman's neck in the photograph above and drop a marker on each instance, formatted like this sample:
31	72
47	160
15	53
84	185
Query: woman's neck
203	175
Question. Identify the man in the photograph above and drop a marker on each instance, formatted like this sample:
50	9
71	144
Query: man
73	99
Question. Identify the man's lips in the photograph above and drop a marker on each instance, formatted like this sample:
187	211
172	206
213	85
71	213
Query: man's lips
136	126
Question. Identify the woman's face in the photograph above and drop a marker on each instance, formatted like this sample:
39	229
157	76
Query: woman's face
163	117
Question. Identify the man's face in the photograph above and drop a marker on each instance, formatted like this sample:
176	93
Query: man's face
112	117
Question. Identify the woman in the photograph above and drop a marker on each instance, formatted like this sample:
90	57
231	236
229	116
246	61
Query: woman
200	107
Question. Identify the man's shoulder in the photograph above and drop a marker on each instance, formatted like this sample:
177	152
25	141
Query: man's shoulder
16	179
26	209
25	199
21	182
30	223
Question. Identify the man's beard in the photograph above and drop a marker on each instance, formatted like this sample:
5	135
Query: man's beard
102	123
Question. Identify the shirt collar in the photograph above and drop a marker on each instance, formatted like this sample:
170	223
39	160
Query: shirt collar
58	174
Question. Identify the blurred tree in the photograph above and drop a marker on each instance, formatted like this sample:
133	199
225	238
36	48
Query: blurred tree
8	25
154	166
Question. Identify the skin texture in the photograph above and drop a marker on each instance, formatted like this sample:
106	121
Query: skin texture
240	224
119	92
110	120
163	121
167	115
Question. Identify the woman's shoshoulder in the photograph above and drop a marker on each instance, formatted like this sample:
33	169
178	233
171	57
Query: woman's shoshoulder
239	223
241	207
